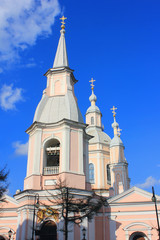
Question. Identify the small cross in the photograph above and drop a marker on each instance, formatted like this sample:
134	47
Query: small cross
119	132
113	111
63	18
92	81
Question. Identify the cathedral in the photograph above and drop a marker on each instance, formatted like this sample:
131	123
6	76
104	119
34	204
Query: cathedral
64	146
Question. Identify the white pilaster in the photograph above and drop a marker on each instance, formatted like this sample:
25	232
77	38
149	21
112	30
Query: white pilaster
18	226
71	232
112	225
66	149
37	152
91	229
24	222
84	225
98	171
102	173
29	153
30	224
80	141
60	227
87	161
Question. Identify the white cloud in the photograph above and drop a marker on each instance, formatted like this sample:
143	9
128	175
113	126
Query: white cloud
22	22
9	96
149	182
31	63
20	148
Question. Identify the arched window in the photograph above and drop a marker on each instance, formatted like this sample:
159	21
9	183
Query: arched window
91	173
52	155
138	236
92	120
108	174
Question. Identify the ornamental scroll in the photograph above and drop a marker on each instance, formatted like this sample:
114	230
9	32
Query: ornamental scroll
48	212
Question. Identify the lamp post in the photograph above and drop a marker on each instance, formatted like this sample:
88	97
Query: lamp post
155	202
84	233
10	233
36	204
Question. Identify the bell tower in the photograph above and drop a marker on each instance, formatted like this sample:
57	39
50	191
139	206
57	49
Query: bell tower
58	144
118	164
99	152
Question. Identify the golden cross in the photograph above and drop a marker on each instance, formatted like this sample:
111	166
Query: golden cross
92	81
63	18
113	111
119	132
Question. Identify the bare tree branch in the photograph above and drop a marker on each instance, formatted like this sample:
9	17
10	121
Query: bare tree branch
73	205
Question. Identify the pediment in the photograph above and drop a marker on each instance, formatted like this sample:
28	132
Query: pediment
132	195
9	202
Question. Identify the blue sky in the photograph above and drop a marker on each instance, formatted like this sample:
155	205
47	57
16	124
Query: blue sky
115	42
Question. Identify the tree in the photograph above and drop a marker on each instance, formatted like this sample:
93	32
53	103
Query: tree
73	205
3	182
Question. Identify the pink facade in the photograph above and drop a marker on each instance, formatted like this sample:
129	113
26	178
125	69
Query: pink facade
62	146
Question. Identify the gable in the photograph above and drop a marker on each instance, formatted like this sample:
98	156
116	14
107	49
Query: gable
8	203
133	195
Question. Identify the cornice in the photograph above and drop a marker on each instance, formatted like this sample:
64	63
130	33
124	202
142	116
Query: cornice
62	122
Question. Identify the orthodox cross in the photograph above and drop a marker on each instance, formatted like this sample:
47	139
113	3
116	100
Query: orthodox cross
114	111
92	81
63	18
119	132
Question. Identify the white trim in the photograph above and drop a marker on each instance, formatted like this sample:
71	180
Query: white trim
137	223
10	199
138	229
49	138
7	218
127	213
138	219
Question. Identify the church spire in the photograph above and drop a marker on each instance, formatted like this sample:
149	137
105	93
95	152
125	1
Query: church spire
118	163
61	59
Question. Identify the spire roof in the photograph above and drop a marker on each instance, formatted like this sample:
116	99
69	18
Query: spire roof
61	58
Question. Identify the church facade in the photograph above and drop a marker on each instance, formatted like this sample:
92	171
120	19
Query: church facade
63	146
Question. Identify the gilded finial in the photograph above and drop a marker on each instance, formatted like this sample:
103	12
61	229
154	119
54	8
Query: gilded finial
119	132
114	111
92	85
63	18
